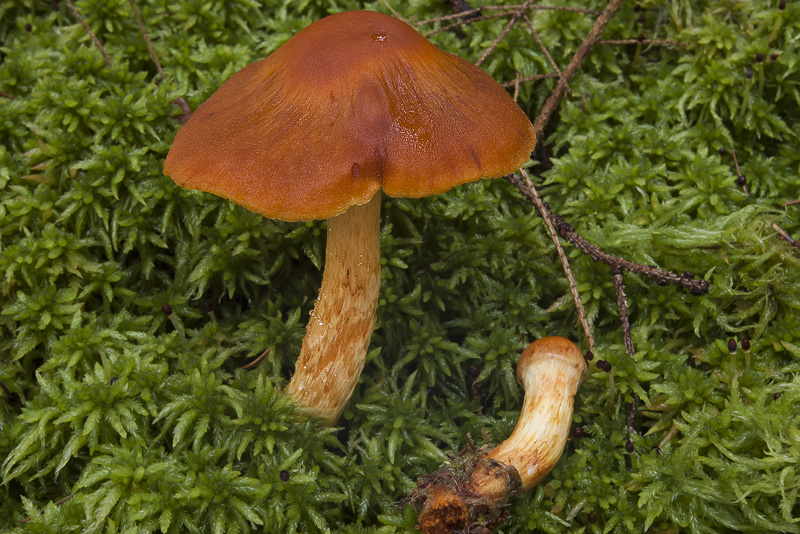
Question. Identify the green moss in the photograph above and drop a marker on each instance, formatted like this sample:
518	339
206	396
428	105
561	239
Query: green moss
150	424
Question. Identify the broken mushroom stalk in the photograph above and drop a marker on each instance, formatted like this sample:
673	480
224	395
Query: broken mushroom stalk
470	498
355	103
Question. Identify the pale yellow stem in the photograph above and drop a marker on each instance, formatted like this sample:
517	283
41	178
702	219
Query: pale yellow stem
550	370
341	324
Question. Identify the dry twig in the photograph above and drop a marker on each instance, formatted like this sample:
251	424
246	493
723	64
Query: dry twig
685	279
508	9
514	18
258	360
59	502
86	27
739	175
658	42
622	303
546	53
530	79
785	235
534	197
574	66
147	39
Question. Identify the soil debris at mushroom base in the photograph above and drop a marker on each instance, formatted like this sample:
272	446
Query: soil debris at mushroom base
470	496
355	103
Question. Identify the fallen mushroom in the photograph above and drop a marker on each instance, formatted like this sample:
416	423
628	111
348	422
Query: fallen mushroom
355	102
469	500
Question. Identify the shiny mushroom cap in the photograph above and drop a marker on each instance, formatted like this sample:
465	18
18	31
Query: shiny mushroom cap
352	103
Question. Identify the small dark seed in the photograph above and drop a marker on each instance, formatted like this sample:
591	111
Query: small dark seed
166	309
55	6
776	396
781	5
431	391
284	475
114	380
759	57
629	446
578	432
208	307
28	27
732	345
773	56
641	18
746	344
641	37
741	180
603	365
748	73
722	151
589	356
637	8
592	519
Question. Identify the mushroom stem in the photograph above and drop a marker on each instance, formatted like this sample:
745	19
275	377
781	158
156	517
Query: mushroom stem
341	324
551	370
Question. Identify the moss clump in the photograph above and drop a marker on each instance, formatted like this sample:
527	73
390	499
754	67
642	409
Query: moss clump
116	417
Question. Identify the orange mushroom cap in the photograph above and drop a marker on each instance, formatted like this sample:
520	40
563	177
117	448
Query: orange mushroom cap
352	103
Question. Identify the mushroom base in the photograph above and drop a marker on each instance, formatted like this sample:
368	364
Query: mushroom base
469	500
340	328
470	497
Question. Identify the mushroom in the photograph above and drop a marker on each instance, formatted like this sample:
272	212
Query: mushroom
354	103
550	370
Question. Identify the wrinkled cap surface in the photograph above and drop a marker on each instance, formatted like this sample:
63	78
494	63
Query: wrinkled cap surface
354	102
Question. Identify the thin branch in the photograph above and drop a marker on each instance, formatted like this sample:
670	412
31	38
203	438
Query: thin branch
95	40
8	393
622	303
59	502
147	39
631	419
541	44
395	14
785	235
565	230
574	65
514	18
257	360
187	111
462	22
658	42
791	203
630	422
739	175
531	79
548	220
685	279
8	96
509	10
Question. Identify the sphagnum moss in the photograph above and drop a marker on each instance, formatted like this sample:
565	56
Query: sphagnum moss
149	431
